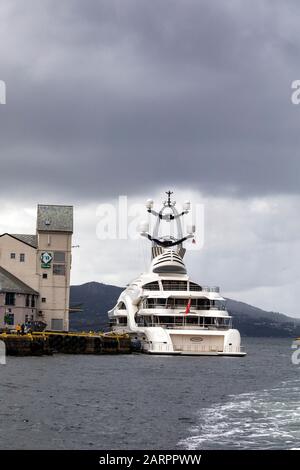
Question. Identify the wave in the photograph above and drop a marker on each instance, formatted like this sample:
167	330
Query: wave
267	419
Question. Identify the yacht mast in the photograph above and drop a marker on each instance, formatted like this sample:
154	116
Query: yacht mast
168	213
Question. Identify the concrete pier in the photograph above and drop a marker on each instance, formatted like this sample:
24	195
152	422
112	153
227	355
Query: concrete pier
47	343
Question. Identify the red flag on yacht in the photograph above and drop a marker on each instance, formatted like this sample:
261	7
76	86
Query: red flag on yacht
188	307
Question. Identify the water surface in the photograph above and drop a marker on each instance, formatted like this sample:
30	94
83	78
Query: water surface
152	402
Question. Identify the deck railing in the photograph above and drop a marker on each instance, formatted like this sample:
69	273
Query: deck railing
169	306
182	286
211	289
185	326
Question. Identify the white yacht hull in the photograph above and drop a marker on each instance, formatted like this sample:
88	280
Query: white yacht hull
185	342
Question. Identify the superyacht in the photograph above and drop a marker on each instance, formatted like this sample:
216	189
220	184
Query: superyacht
166	311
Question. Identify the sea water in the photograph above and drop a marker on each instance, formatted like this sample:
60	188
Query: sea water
153	402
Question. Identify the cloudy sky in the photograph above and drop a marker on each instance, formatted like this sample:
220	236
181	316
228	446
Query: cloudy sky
131	97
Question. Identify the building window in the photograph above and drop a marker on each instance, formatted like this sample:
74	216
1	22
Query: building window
32	301
13	256
22	257
45	275
9	319
43	299
59	269
57	324
59	257
27	302
9	298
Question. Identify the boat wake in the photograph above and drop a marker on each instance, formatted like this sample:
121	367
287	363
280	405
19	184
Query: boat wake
267	419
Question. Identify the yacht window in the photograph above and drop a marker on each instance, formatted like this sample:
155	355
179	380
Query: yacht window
122	306
181	302
141	320
122	320
224	321
174	285
171	303
195	287
166	320
203	304
154	303
219	304
151	286
192	320
200	304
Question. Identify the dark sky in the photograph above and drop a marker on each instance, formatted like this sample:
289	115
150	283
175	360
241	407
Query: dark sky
107	97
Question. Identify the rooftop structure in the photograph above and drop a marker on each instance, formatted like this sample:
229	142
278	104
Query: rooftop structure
10	283
51	218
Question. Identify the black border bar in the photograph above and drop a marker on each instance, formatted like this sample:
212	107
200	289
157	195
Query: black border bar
147	458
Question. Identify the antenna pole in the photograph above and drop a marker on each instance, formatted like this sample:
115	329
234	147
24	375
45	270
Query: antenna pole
168	193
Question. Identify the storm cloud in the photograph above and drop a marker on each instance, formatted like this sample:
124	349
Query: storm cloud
118	96
133	97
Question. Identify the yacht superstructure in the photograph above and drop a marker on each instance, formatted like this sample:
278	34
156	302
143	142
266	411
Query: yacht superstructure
164	309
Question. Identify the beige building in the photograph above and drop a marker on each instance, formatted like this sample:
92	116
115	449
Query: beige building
35	271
